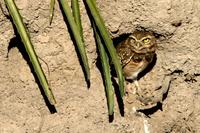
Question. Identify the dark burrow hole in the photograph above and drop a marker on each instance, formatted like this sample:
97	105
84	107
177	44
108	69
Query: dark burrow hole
120	39
116	41
16	42
154	109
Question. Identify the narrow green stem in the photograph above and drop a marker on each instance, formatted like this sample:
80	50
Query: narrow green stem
77	36
29	49
108	42
77	16
52	3
106	72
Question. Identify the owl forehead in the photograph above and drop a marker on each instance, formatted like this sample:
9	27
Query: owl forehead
141	34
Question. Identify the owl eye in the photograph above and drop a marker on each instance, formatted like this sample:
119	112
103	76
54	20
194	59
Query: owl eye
132	40
146	40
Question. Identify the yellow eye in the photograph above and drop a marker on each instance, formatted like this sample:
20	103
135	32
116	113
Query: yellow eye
146	40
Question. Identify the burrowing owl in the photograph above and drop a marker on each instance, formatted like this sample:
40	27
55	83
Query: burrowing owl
136	53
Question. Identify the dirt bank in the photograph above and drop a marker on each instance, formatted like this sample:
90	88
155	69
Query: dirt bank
22	107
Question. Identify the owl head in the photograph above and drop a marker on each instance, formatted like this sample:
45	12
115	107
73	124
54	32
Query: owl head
142	42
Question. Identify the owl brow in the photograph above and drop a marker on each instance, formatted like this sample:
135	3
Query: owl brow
131	36
145	37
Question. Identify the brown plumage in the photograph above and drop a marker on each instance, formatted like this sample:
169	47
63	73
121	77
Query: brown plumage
136	53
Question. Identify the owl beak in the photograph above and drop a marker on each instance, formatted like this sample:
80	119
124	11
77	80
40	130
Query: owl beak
138	45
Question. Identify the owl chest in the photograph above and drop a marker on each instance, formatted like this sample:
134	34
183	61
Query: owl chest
138	58
133	68
148	57
137	64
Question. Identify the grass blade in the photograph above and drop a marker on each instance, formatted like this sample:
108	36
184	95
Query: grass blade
52	4
108	42
106	72
29	49
77	16
77	36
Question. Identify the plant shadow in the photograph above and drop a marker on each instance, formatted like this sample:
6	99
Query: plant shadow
16	42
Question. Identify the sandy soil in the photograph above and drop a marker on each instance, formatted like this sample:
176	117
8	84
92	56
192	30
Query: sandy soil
78	109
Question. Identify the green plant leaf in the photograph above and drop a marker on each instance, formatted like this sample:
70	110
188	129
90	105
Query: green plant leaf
51	14
29	49
77	16
77	36
108	42
106	72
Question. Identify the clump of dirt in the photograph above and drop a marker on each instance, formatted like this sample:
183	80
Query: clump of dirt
78	109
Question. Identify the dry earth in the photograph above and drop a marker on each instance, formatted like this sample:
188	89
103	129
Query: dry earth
82	110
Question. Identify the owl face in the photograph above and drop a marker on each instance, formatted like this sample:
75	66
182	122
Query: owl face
136	52
142	42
